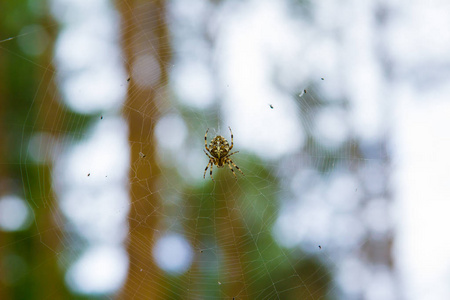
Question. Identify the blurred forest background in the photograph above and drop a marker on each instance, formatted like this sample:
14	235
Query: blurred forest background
103	110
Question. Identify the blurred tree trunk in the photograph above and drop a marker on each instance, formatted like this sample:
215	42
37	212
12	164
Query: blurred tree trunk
144	34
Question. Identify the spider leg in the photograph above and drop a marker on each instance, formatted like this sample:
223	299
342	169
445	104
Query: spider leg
232	153
206	143
210	170
230	161
208	154
209	162
231	138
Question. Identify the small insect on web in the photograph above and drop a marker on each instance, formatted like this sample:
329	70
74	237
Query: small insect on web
219	154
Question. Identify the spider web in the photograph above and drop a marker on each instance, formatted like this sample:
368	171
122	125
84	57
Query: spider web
111	155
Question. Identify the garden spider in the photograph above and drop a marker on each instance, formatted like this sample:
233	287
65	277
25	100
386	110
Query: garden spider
219	154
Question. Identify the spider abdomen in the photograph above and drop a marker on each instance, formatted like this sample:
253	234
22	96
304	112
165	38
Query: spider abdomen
219	147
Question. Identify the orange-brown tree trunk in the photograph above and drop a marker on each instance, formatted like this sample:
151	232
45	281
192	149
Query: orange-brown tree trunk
144	33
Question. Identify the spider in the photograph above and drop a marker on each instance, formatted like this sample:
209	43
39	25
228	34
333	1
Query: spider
219	154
